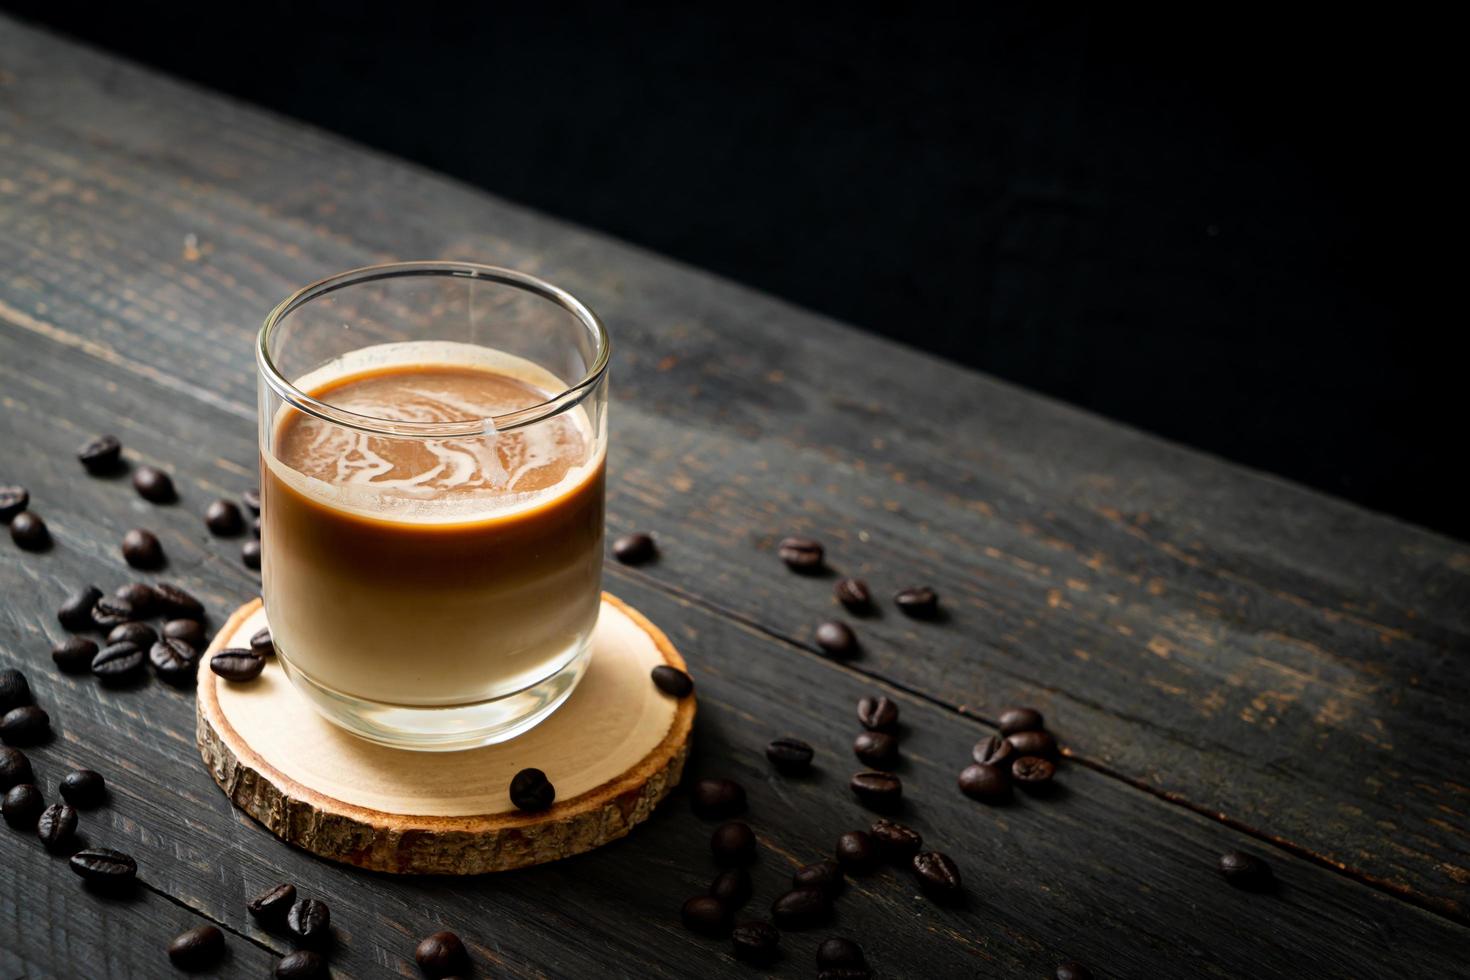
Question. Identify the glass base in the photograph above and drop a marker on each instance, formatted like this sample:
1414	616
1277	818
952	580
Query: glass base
443	729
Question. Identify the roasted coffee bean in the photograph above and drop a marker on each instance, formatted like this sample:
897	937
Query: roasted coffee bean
76	613
732	887
717	799
191	631
250	554
920	602
756	943
15	768
837	639
801	908
251	499
153	484
13	500
174	661
118	662
104	865
837	951
790	756
672	681
732	843
530	790
882	791
1034	743
1014	720
309	920
1073	971
25	725
857	852
57	826
705	915
876	749
175	602
441	955
22	806
223	519
897	842
237	664
853	594
937	875
15	690
272	904
141	549
634	549
1245	870
197	949
29	532
1032	773
260	643
140	596
74	654
101	455
801	554
133	632
878	714
825	875
993	751
985	782
83	788
110	611
302	965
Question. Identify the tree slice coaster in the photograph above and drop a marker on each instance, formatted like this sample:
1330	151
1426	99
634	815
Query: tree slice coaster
613	751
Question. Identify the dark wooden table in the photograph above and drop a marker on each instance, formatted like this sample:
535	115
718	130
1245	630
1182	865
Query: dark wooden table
1229	661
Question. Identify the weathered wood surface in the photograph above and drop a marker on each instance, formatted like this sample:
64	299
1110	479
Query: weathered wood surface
1240	645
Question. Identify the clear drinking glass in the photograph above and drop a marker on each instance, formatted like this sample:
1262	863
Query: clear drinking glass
433	439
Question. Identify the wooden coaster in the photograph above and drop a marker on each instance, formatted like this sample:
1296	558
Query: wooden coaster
613	751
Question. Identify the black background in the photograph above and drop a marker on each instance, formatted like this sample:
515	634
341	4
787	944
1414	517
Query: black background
1217	226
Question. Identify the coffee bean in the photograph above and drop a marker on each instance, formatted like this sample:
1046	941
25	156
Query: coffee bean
857	852
634	549
672	681
250	555
15	690
732	843
74	654
756	943
1014	720
1034	743
140	596
83	788
57	826
174	661
878	714
309	920
1245	871
118	662
223	519
255	526
897	843
272	904
133	632
13	500
109	612
837	639
530	790
197	949
985	782
25	725
101	455
76	612
920	602
938	875
880	791
1073	971
260	643
1032	773
22	806
718	799
824	875
153	484
104	865
15	768
237	664
441	955
251	499
302	965
801	554
878	750
790	756
141	549
29	532
705	915
801	908
191	631
993	751
853	594
732	887
175	602
839	952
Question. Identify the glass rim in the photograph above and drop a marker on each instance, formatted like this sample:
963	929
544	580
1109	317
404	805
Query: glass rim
555	405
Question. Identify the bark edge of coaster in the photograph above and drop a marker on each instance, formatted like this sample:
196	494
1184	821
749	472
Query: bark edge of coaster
299	798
